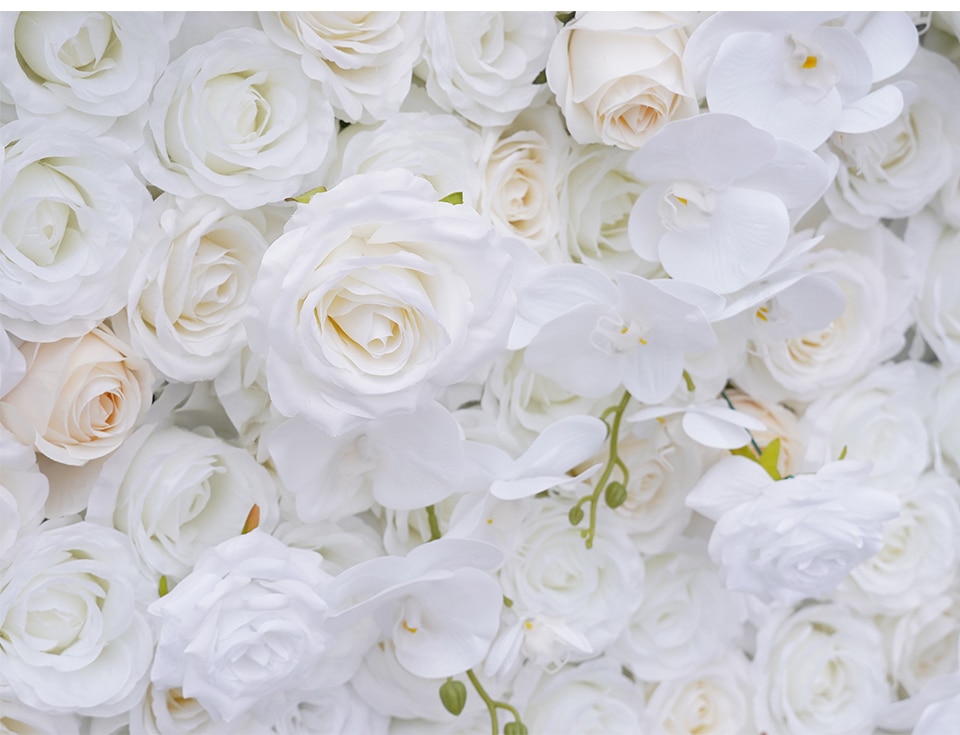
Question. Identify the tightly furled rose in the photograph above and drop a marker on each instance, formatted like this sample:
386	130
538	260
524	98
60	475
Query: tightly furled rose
80	398
375	297
619	77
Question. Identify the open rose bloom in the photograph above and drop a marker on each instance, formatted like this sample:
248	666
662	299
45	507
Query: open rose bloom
403	372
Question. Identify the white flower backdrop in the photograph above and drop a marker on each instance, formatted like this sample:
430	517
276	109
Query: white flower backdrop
510	373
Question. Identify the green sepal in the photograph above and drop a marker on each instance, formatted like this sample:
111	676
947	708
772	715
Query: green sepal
514	728
164	587
689	382
768	459
453	694
615	494
843	453
575	515
455	198
306	196
565	18
541	77
507	601
744	451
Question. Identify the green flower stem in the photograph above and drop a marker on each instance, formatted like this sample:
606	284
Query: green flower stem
434	523
612	461
491	703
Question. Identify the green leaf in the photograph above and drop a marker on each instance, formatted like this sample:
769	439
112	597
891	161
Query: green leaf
768	459
843	452
507	601
689	381
306	196
745	451
615	494
453	694
565	17
455	198
541	77
164	587
575	515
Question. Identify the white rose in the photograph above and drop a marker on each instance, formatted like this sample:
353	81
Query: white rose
937	306
619	77
244	631
944	427
714	700
335	710
80	399
242	391
69	211
12	365
895	171
881	418
877	276
521	403
440	148
483	65
549	571
187	298
375	297
795	538
597	194
19	719
176	493
23	490
72	635
925	644
686	617
592	698
167	712
663	468
237	118
363	60
781	424
88	68
819	670
522	166
920	555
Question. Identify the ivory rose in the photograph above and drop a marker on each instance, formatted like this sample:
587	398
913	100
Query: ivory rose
80	397
619	77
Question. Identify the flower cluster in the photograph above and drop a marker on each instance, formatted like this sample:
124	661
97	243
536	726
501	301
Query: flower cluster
512	372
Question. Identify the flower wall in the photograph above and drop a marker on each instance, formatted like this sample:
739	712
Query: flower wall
402	372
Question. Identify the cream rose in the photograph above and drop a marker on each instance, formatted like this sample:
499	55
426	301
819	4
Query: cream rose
619	77
375	296
80	398
188	297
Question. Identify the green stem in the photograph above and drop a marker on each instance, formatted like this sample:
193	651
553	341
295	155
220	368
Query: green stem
753	442
492	704
612	462
434	523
